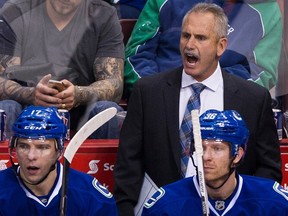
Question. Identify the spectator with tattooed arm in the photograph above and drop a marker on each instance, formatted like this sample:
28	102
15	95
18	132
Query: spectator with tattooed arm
76	42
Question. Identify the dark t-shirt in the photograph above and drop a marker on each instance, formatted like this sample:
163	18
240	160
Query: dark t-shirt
70	53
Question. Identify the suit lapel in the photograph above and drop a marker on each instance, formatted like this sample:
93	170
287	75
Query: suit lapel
231	97
171	94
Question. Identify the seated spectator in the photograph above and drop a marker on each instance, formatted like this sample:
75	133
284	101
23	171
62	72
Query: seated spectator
79	43
33	186
253	50
224	137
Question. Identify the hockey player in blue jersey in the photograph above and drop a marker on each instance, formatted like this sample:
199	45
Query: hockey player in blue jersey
224	137
34	186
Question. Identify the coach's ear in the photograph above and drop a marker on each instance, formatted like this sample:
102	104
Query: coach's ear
221	46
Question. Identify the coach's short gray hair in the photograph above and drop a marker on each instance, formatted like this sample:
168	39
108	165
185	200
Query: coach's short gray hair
221	20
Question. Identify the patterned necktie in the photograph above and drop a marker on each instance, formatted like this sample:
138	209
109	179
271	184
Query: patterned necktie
185	131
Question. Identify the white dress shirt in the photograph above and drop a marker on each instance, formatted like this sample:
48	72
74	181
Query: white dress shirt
211	97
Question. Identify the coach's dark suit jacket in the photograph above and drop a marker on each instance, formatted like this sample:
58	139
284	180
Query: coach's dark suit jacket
149	140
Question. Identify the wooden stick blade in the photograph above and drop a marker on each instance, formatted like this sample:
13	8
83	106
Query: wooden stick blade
86	130
199	156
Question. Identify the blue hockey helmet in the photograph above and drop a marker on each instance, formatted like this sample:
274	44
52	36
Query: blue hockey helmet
225	126
39	122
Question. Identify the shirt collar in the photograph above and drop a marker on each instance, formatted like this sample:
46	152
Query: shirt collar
211	82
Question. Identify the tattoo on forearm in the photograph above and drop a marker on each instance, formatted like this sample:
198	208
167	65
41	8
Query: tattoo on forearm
109	81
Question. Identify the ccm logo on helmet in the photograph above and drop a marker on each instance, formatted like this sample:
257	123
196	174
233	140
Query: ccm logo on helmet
32	127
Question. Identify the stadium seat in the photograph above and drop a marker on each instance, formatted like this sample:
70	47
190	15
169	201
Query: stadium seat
127	27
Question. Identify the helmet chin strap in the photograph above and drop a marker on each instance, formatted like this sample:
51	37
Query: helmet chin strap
15	168
42	179
232	169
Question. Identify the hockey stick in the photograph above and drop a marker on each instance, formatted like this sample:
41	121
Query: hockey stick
199	156
85	131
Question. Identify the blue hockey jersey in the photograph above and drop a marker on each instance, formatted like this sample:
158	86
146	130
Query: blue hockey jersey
86	196
252	196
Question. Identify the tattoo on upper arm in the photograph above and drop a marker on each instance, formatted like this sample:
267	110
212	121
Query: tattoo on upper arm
108	74
109	77
107	68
